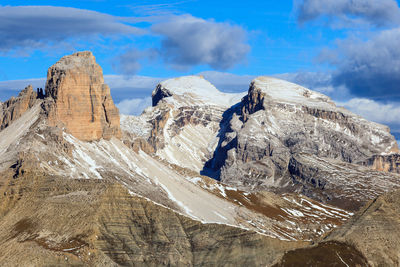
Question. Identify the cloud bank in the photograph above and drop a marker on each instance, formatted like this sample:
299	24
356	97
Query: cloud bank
378	13
37	26
181	41
370	68
367	62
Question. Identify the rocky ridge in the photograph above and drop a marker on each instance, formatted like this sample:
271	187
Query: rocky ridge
279	137
185	109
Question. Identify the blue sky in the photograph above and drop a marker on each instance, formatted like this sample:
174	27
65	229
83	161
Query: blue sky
277	43
346	49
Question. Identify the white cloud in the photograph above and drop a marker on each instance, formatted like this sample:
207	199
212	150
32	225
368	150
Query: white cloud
376	12
134	106
188	41
374	111
34	27
370	68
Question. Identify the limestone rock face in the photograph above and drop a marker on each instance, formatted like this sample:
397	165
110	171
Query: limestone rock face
279	126
13	108
82	102
386	163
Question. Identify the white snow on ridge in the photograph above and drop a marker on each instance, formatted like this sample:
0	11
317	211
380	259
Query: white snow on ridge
288	92
201	89
135	124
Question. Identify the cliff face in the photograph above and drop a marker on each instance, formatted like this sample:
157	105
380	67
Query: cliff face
15	107
184	121
82	102
386	163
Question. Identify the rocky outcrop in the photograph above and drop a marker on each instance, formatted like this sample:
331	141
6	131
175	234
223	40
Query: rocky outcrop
158	94
324	254
374	230
386	163
253	101
279	137
15	107
184	119
342	184
81	101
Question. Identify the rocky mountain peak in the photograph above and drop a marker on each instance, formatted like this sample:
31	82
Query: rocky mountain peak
264	90
81	100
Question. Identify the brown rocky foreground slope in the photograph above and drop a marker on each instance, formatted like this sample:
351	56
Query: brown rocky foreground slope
370	238
49	220
375	230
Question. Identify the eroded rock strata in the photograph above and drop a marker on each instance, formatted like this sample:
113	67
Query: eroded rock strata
386	163
81	100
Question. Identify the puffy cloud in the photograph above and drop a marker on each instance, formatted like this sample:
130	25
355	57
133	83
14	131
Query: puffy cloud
188	41
134	106
375	111
385	113
379	13
35	26
370	68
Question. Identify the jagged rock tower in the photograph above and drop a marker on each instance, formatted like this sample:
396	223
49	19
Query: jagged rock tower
82	101
13	108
